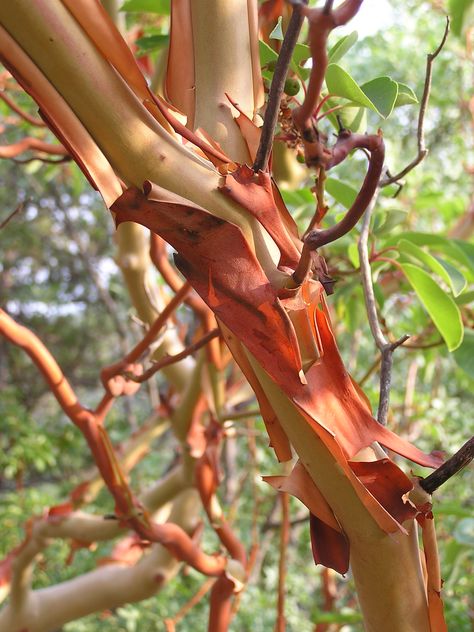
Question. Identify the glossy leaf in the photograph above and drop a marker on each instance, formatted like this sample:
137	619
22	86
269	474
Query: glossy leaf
341	192
405	96
442	309
341	47
383	93
340	83
456	282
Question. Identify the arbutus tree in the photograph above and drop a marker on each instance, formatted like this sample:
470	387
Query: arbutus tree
189	157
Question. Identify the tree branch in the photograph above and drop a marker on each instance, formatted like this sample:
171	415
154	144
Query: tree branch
167	360
452	466
276	89
422	150
385	347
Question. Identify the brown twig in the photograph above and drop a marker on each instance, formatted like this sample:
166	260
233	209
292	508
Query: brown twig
167	360
385	347
276	89
452	466
9	217
422	150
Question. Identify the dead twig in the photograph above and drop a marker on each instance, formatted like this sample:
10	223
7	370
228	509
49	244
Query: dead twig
452	466
385	347
420	135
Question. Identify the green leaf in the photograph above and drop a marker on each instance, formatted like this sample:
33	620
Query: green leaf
383	93
353	254
458	10
147	6
466	298
340	83
464	355
341	47
405	96
457	282
440	306
392	218
149	43
277	32
457	250
341	192
266	53
352	117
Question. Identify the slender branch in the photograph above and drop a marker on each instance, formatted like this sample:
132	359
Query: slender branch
385	347
29	143
18	209
167	360
422	150
452	466
16	108
132	356
276	89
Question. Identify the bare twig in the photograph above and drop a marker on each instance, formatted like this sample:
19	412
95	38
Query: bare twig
457	462
276	88
385	347
18	209
422	150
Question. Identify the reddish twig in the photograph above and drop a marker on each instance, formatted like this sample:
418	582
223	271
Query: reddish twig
24	115
321	23
28	144
317	238
128	509
108	373
167	360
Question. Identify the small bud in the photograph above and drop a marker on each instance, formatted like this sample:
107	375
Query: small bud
292	87
271	65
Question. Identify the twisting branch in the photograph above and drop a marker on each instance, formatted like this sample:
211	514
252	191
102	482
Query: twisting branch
276	88
385	347
422	150
321	23
316	238
452	466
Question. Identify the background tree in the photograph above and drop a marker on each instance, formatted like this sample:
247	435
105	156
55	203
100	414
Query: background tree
83	280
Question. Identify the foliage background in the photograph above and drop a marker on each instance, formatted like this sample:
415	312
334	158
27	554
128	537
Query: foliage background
58	276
